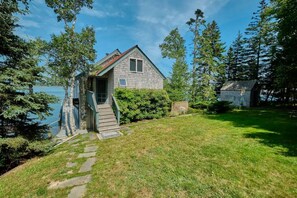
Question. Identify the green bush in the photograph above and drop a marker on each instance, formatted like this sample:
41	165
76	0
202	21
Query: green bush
139	104
15	150
200	105
219	107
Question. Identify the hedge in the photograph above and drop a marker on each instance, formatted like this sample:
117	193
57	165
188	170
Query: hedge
140	104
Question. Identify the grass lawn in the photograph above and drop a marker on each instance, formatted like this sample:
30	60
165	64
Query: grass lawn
248	153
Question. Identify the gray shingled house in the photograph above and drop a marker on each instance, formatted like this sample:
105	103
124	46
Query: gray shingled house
240	93
130	69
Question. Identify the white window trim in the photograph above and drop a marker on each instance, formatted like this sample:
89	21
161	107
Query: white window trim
136	59
120	82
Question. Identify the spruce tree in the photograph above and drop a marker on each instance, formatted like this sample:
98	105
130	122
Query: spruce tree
195	26
285	13
259	43
211	62
173	47
235	64
19	72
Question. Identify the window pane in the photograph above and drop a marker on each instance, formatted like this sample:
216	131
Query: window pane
123	82
139	65
132	64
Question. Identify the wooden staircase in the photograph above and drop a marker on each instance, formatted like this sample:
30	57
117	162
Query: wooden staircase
108	126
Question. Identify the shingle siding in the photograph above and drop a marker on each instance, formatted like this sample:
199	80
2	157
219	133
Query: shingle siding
236	98
148	79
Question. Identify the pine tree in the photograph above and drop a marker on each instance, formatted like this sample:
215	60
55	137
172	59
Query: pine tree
259	43
235	64
71	51
19	72
285	13
195	26
173	47
210	61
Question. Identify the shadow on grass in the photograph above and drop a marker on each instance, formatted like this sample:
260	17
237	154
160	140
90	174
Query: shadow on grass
281	129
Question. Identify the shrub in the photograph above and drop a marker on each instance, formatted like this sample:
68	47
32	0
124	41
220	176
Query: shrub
15	150
219	107
139	104
200	105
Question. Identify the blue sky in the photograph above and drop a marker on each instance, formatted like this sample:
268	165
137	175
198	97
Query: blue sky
123	24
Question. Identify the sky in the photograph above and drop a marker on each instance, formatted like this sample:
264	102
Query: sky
121	24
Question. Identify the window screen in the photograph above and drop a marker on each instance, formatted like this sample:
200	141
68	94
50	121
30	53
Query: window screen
139	65
123	82
133	65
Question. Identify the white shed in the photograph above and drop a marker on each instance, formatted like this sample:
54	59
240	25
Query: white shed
240	93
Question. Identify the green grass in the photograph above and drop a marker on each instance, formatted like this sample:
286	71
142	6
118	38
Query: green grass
249	153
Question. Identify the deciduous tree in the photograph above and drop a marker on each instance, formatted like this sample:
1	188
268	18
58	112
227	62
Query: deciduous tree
71	51
173	47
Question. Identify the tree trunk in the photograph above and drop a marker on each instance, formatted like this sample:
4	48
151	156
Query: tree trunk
66	110
71	107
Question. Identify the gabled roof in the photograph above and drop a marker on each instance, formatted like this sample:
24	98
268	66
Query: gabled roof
247	85
115	52
108	65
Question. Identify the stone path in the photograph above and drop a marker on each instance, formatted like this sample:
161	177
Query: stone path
79	184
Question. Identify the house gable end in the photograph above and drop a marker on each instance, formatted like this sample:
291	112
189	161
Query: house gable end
128	54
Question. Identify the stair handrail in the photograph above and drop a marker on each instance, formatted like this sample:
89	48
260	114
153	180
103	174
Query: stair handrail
117	109
92	103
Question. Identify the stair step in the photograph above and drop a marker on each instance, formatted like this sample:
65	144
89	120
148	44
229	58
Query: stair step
107	116
107	135
112	123
108	128
103	106
103	120
106	112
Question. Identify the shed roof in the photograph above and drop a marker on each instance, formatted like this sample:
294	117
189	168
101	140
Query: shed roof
247	85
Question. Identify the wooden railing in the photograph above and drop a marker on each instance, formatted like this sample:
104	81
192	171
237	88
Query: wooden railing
116	109
91	101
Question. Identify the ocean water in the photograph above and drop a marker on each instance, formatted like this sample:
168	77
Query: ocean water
53	120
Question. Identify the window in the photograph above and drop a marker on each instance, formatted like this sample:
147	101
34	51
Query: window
133	65
139	65
122	82
136	65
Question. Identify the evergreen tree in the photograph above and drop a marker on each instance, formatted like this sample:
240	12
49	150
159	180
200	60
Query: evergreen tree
173	47
19	72
235	60
71	51
210	61
195	26
230	64
259	43
285	13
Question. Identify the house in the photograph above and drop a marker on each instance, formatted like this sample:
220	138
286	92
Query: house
130	69
240	93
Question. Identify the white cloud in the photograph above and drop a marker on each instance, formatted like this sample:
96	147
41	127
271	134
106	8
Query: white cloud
157	18
100	14
29	23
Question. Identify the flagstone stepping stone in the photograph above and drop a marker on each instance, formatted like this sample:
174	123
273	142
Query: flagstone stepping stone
87	166
77	191
91	149
82	155
70	172
93	136
74	141
71	164
81	131
76	181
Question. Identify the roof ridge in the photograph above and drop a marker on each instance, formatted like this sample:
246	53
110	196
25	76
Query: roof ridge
112	61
